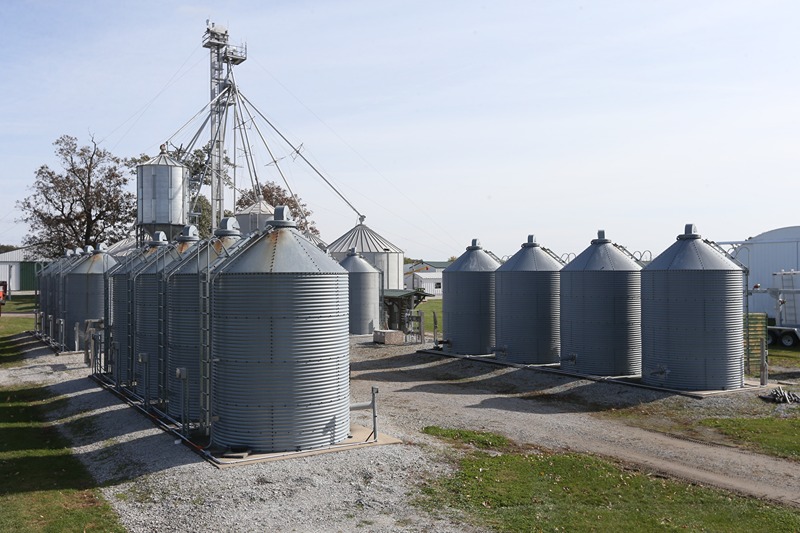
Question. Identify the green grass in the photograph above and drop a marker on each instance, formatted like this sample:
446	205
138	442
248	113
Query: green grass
44	487
20	303
775	436
479	439
518	490
429	307
783	357
13	338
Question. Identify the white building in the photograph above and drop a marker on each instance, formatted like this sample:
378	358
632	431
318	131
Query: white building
765	254
430	282
18	270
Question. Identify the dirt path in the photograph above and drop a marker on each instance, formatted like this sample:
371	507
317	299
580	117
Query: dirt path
421	389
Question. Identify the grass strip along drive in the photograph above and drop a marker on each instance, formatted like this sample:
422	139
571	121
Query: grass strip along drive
510	488
43	487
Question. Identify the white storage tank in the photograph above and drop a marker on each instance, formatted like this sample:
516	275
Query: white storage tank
161	195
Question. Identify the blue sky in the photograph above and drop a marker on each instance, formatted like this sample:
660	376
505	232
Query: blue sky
445	121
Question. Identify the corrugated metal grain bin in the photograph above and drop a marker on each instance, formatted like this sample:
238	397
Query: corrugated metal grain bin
150	310
46	288
365	294
121	295
692	329
85	292
527	306
375	249
601	311
184	307
468	310
57	296
280	343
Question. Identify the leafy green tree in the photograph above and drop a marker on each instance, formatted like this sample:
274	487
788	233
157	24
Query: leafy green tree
84	203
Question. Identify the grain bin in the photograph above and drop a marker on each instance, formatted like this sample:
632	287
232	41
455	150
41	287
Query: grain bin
46	288
468	301
375	249
184	308
85	294
150	310
527	307
692	332
280	343
601	311
121	295
57	298
161	196
365	294
254	217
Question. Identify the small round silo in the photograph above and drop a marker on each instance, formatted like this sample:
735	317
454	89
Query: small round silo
468	311
527	306
120	322
692	331
280	343
365	294
85	294
162	198
184	308
149	346
601	311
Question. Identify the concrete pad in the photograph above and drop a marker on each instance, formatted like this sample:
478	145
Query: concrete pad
360	437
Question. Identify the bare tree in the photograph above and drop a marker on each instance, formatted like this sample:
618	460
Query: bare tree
83	204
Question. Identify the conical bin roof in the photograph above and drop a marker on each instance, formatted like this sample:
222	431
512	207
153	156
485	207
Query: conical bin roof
602	255
531	258
691	252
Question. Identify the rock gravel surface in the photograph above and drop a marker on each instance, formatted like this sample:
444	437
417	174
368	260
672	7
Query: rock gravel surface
158	485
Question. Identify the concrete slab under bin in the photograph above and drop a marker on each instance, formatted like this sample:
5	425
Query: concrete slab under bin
360	437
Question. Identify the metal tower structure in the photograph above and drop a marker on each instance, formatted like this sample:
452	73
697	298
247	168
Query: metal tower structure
223	57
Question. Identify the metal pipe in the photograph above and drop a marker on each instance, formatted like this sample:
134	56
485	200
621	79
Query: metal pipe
373	404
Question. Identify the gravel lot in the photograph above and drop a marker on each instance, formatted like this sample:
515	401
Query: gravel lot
158	485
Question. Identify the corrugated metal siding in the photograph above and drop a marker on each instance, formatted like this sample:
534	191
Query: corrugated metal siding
601	322
364	295
281	371
528	309
468	307
528	314
27	276
692	329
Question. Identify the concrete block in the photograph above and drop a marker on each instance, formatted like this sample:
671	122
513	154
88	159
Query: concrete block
388	336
